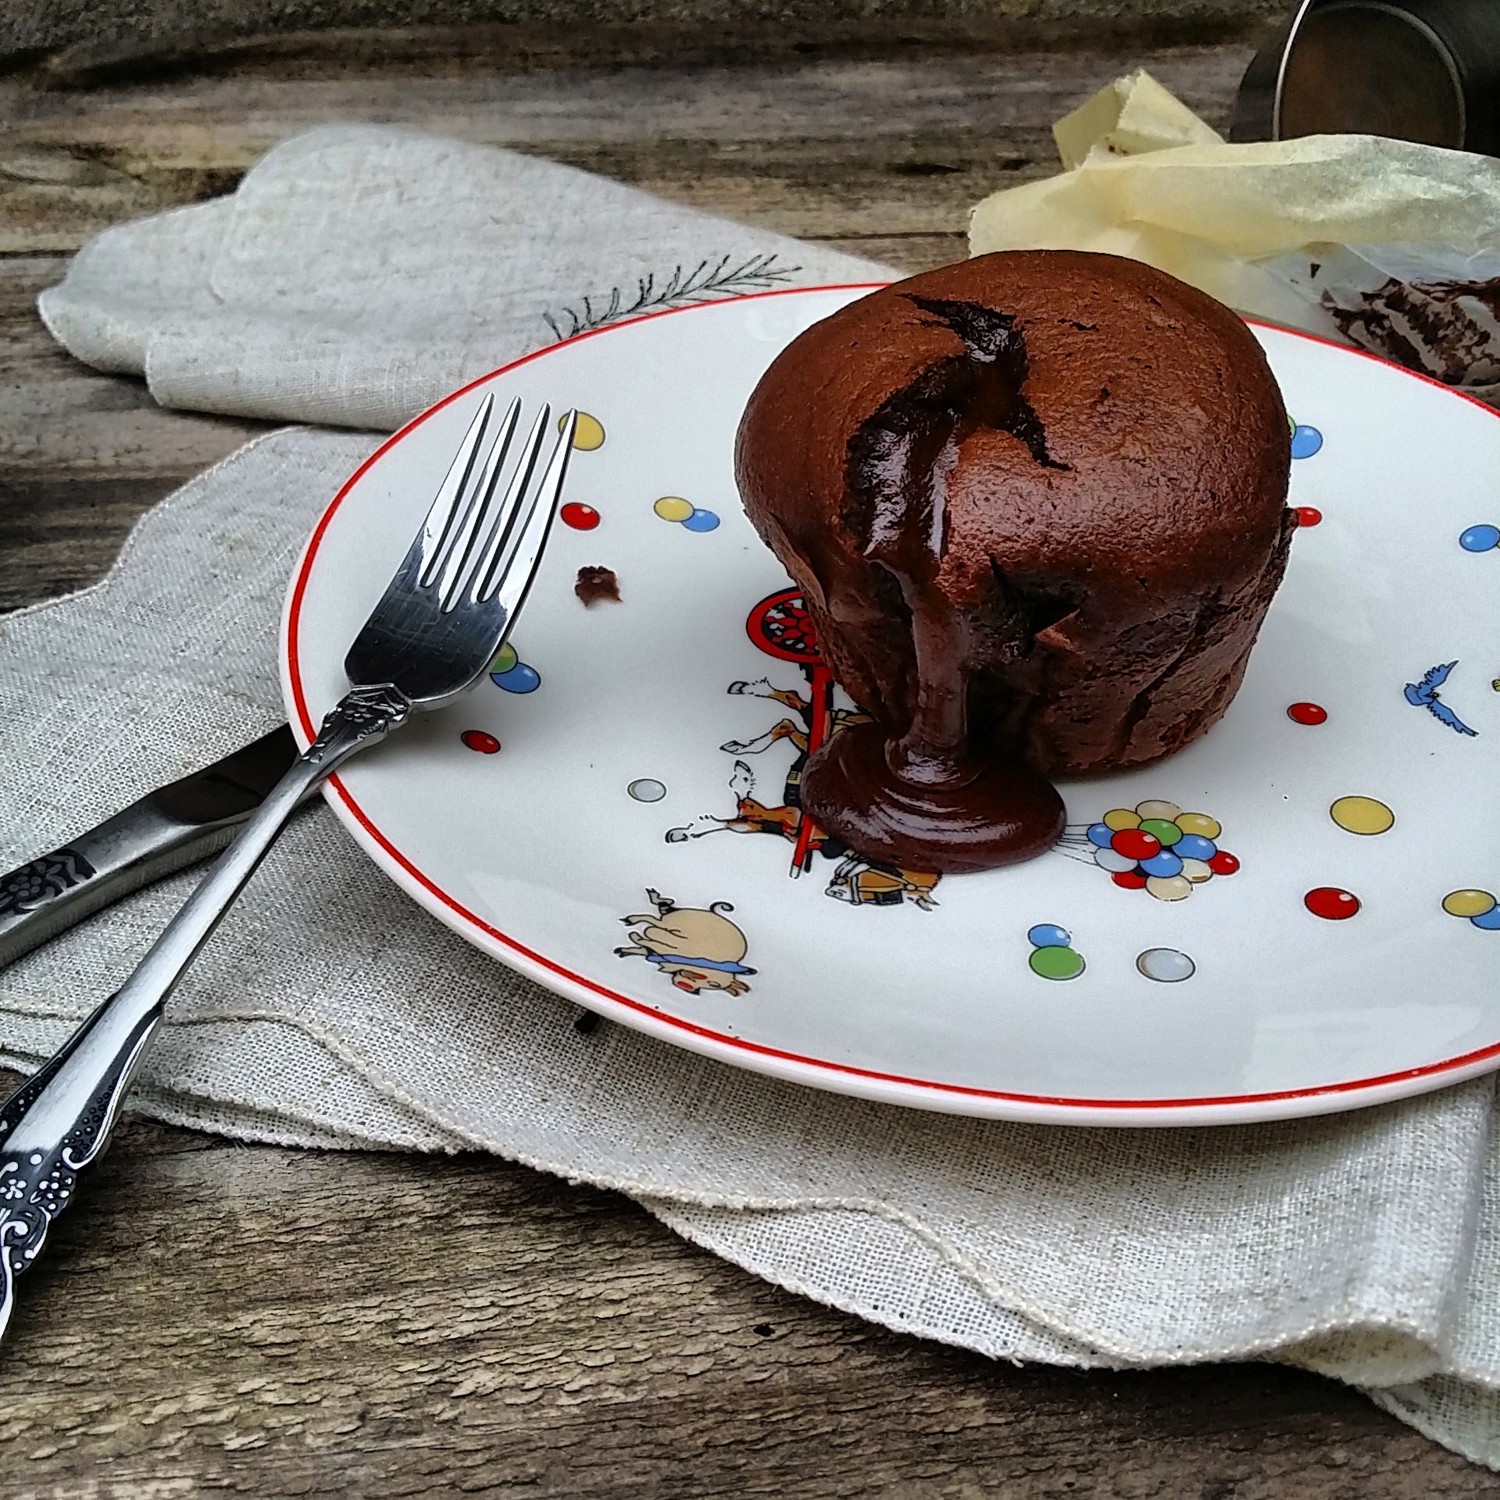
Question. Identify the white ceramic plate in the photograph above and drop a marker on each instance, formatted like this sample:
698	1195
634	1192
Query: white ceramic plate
634	768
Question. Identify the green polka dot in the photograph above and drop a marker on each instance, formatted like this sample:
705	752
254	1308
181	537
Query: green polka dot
1164	830
1056	963
505	658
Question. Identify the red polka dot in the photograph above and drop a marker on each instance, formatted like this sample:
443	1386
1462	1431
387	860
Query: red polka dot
1307	713
1130	880
1136	843
1330	903
579	517
480	740
1308	515
1223	863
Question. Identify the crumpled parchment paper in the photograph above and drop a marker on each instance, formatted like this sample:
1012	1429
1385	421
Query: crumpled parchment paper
1382	243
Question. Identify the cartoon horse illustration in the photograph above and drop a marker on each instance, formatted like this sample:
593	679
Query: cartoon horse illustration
856	881
697	948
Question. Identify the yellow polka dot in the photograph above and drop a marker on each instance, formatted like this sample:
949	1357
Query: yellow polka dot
1169	887
673	508
1196	871
1468	903
588	434
1167	810
1121	818
1200	823
1362	815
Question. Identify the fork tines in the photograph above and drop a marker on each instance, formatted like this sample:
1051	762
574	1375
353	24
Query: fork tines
472	543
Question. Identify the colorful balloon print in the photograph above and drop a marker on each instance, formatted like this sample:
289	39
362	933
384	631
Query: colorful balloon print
1479	907
673	508
519	679
1166	965
1052	953
1362	815
1136	843
1306	441
1470	903
1199	823
1479	538
1155	809
1195	846
1156	847
1163	830
1049	935
1331	903
579	517
588	433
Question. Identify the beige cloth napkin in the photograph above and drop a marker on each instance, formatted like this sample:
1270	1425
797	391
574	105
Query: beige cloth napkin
357	274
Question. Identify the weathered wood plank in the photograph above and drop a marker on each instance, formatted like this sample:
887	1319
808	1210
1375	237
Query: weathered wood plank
133	32
829	147
215	1318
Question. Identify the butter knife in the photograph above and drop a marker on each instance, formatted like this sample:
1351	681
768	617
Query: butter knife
175	826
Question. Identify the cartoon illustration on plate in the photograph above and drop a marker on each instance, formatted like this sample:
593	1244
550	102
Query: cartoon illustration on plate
1424	694
511	674
1478	907
1306	441
1053	955
698	948
1153	847
782	628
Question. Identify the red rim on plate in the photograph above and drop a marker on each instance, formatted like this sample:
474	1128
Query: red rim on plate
839	1077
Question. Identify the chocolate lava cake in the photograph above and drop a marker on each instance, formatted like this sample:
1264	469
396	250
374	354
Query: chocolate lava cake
1035	503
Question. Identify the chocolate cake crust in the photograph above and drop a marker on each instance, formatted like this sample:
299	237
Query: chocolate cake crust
1035	502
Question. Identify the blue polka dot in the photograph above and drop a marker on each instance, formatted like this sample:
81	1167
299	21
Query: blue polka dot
702	520
1165	863
1100	834
1195	846
1306	441
1480	538
520	679
1049	935
1490	920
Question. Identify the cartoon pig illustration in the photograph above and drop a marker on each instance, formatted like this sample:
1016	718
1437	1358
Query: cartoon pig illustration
697	948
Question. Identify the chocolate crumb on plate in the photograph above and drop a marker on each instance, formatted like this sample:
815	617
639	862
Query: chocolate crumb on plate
595	584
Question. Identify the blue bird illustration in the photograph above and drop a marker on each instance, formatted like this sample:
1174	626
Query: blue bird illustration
1424	694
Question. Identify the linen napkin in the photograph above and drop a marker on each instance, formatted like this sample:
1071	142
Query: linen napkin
356	275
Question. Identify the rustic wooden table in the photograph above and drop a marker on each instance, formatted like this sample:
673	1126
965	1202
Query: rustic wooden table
223	1318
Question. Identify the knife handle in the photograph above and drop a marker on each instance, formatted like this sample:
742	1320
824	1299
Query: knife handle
168	829
134	848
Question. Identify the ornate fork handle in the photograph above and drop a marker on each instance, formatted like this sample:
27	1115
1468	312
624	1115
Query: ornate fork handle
60	1119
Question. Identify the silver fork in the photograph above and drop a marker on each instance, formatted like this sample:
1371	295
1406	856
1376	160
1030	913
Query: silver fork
439	624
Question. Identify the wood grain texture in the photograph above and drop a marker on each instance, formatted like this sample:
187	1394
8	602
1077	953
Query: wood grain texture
216	1319
221	1319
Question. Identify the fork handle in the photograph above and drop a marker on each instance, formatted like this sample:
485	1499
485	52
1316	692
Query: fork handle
60	1119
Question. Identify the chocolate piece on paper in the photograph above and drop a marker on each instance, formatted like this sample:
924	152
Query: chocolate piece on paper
1447	329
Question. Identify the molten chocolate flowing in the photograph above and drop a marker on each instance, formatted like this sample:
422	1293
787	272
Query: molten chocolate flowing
925	796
